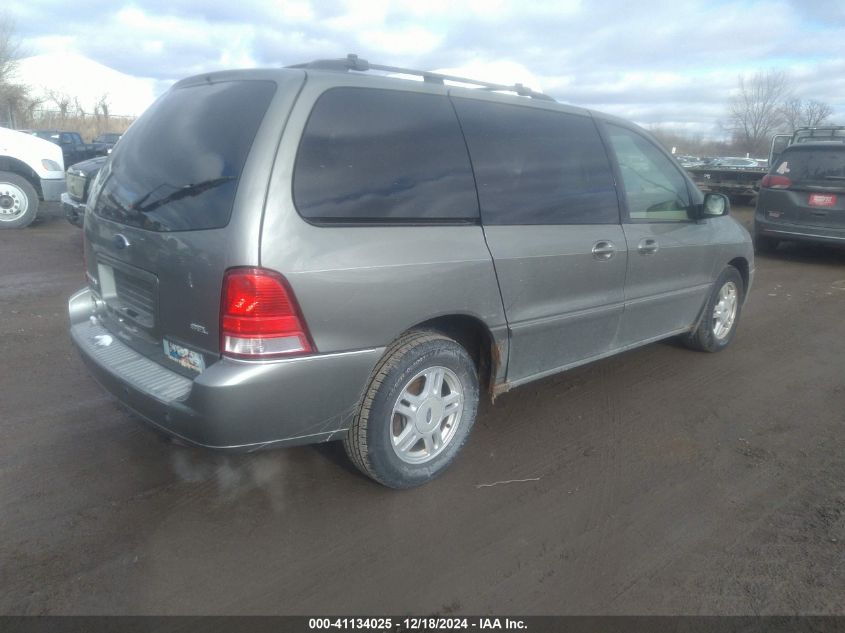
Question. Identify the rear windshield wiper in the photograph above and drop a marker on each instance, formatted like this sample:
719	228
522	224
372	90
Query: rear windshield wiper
183	192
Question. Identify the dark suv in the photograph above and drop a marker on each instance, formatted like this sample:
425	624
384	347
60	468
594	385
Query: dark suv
298	255
803	196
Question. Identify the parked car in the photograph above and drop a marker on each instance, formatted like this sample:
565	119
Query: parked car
31	170
105	142
740	163
332	265
737	178
803	196
79	179
74	149
690	161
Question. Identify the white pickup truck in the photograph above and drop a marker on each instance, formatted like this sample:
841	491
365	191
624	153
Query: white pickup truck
31	169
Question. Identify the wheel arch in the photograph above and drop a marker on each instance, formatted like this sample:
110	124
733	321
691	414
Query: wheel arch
741	264
477	338
17	166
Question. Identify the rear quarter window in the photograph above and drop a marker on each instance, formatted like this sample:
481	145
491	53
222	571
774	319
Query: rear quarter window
383	156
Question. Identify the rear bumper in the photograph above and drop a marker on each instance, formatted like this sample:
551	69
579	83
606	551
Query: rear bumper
234	405
801	232
52	188
74	211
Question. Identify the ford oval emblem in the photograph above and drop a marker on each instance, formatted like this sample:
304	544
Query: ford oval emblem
120	241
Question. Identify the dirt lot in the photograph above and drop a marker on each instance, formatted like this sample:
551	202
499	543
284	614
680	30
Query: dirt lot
667	481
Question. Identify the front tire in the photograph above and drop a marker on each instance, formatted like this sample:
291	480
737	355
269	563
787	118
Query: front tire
417	411
18	201
717	326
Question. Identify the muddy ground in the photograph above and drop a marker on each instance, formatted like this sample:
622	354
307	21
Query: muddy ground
663	481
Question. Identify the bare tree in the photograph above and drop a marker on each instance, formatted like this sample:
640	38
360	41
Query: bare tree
61	101
797	113
816	112
793	112
755	110
79	110
30	105
13	97
102	106
9	49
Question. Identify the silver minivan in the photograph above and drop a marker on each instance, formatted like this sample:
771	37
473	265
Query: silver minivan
325	252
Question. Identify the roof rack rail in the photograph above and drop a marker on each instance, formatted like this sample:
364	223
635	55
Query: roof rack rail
353	62
834	133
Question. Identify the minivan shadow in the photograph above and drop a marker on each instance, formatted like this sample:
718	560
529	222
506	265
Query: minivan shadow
807	252
334	453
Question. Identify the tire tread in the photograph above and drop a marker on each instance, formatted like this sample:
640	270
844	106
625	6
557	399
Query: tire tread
355	442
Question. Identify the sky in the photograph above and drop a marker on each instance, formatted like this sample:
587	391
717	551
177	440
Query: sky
667	63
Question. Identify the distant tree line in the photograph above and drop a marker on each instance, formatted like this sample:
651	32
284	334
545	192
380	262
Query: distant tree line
688	144
763	104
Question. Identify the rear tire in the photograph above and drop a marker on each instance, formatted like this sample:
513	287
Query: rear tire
417	411
18	201
717	326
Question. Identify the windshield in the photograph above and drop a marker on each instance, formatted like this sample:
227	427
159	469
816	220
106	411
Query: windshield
177	168
47	136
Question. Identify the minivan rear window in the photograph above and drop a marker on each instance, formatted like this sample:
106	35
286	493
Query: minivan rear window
802	164
177	167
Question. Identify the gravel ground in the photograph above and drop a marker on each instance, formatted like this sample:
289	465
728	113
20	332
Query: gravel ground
662	481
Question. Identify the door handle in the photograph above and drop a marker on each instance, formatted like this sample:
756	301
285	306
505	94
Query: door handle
604	250
648	246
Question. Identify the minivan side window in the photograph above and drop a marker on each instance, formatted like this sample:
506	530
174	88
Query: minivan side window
654	187
383	156
536	166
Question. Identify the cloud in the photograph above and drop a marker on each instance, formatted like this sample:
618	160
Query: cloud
670	60
403	41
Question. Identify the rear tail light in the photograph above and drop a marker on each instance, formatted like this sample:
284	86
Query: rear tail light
259	317
776	181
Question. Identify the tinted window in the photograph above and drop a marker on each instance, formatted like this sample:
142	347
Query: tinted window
654	187
383	155
178	165
537	166
817	163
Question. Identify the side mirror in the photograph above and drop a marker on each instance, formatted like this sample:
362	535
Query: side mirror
715	205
